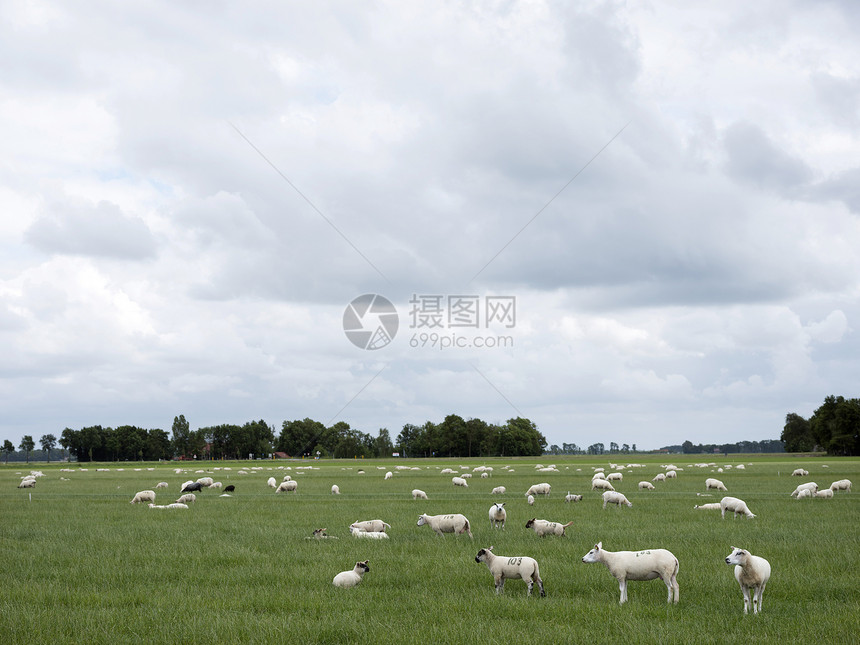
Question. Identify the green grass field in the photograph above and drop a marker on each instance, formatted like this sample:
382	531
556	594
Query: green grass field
82	565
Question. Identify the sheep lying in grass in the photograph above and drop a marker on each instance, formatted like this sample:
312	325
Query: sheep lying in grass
173	505
417	493
713	506
320	534
455	523
614	497
543	528
187	498
143	496
715	484
516	568
736	506
842	484
370	535
646	486
752	573
572	498
810	486
352	578
371	526
638	565
498	515
28	482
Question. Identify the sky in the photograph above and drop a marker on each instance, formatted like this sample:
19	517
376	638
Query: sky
628	222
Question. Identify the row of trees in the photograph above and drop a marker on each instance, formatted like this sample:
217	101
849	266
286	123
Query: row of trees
47	441
593	449
765	445
834	427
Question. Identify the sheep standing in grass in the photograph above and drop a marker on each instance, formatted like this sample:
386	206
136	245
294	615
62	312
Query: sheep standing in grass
206	481
615	477
638	565
161	485
28	482
716	484
614	497
842	484
498	515
543	528
601	484
539	489
371	526
187	498
285	487
516	568
572	498
389	475
191	487
812	487
736	506
827	493
499	490
352	578
659	477
459	481
646	486
143	496
530	499
417	493
456	523
799	472
335	489
752	573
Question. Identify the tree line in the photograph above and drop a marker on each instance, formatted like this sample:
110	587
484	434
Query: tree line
833	427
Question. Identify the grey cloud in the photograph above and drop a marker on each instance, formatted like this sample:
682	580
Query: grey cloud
753	158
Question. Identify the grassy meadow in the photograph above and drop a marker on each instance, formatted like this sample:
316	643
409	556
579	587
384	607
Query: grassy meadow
82	565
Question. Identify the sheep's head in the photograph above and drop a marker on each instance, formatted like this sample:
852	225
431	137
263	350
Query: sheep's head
737	556
530	523
362	566
594	554
482	555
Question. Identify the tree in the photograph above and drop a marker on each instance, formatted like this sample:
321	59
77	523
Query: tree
27	444
48	442
181	436
797	434
382	445
8	447
613	447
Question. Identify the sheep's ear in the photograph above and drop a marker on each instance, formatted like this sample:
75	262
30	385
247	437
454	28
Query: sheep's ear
491	548
503	503
599	545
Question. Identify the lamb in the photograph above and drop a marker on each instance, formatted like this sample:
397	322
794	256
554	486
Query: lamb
459	481
498	515
842	484
516	568
456	523
417	493
614	497
598	475
810	486
143	496
646	486
827	493
804	493
499	490
715	484
752	573
216	485
371	526
543	528
601	484
371	535
799	472
712	506
539	489
229	488
572	498
347	579
286	478
485	475
320	534
160	485
335	489
736	506
530	499
284	487
638	565
187	498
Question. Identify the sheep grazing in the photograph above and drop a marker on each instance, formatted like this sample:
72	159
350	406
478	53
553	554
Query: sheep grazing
229	488
736	506
615	477
285	487
530	499
827	493
601	484
216	485
335	490
716	484
288	478
160	485
799	472
646	486
659	477
539	489
712	506
543	528
371	535
28	482
191	487
842	484
802	494
671	474
271	482
572	498
389	475
598	475
352	578
810	486
516	568
417	493
638	565
485	475
371	526
614	497
752	573
459	481
187	498
206	481
143	496
498	515
456	523
499	490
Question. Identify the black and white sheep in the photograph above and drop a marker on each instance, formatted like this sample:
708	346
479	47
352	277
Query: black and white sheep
515	568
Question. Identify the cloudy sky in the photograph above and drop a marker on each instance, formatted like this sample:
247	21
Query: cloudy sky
668	194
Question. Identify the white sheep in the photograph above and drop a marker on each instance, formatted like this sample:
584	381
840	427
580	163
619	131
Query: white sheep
543	528
459	481
638	565
659	477
285	487
598	475
498	515
799	472
671	474
335	489
352	578
417	493
285	479
826	493
572	498
810	486
530	499
456	523
206	481
752	573
516	568
499	490
716	484
601	484
216	485
736	506
614	497
615	477
187	498
143	496
27	482
371	526
173	505
272	483
485	475
842	484
389	475
712	506
371	535
161	485
802	494
646	486
539	489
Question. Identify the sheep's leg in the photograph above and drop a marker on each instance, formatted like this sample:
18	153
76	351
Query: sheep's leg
530	585
759	592
746	592
540	586
500	585
676	588
622	584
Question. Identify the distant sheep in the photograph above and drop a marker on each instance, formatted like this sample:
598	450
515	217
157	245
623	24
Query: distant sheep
799	472
659	477
370	535
27	483
598	475
601	484
191	487
638	565
485	475
160	485
172	506
371	526
827	493
206	481
716	484
389	475
335	489
539	489
810	486
752	573
842	484
542	528
515	568
530	499
614	497
417	493
736	506
671	474
320	534
456	523
143	496
615	477
286	487
459	481
272	482
572	498
187	498
229	488
346	579
499	490
646	486
712	506
498	515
